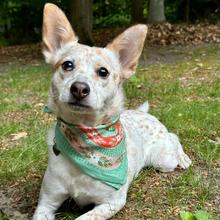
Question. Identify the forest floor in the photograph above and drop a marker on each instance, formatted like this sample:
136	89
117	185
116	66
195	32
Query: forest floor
30	54
27	55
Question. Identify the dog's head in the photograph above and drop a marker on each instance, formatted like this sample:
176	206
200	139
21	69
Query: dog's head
86	87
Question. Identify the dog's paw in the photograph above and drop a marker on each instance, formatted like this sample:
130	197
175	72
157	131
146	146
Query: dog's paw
165	163
184	161
41	215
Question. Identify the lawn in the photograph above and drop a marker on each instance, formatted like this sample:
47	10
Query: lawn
184	96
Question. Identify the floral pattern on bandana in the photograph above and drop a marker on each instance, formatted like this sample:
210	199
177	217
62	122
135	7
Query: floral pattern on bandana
110	142
100	152
95	157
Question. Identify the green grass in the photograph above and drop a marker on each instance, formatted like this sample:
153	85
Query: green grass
184	96
21	91
187	101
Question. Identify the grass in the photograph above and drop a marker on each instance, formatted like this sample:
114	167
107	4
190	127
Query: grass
21	92
184	96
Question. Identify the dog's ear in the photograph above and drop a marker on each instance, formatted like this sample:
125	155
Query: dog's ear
128	47
57	31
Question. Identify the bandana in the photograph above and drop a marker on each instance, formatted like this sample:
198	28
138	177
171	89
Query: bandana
98	151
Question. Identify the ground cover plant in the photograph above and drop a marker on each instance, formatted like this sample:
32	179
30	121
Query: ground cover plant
184	96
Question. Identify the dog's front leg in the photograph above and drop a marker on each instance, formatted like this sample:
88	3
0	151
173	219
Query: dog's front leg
103	211
52	195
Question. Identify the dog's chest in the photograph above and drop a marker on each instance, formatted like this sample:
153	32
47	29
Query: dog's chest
86	189
83	188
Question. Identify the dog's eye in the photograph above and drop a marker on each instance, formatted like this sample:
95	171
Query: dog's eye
103	72
68	66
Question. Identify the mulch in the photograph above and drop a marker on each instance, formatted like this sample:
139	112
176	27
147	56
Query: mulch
167	34
158	34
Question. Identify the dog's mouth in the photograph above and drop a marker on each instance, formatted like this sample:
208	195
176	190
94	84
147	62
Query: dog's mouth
78	105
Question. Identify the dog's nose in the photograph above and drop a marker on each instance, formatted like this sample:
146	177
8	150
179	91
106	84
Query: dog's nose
79	90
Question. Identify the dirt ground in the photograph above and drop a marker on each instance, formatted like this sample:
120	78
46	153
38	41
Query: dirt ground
31	55
9	204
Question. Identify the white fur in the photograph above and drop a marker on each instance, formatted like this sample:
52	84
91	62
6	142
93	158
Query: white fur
148	141
145	146
144	107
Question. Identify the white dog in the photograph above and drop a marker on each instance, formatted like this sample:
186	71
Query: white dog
97	147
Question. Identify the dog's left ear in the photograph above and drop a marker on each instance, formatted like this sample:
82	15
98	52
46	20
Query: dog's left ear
128	47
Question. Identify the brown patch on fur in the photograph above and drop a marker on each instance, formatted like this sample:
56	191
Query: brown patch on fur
98	51
96	67
161	131
95	77
79	61
57	65
133	153
67	53
105	83
115	76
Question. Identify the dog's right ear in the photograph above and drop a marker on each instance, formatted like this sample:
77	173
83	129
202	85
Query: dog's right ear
57	31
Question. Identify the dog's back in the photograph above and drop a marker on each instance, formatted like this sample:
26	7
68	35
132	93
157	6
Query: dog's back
152	143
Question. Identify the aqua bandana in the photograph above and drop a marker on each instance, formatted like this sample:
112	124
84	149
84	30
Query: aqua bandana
98	151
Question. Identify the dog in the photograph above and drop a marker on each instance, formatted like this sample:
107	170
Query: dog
96	147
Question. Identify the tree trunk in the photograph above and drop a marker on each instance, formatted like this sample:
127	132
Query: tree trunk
187	11
103	8
81	20
156	12
136	11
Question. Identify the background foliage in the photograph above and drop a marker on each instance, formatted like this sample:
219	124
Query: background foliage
21	20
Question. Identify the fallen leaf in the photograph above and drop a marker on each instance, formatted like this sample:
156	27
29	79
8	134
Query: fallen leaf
143	69
199	64
39	104
14	185
18	135
194	69
217	140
